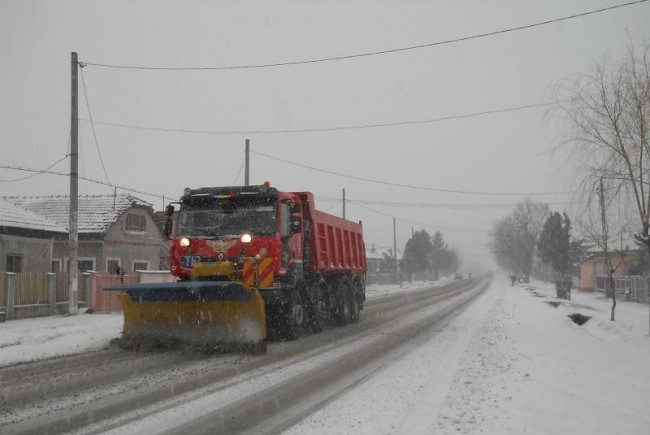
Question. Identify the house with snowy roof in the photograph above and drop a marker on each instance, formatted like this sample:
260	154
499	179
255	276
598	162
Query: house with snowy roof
26	238
114	231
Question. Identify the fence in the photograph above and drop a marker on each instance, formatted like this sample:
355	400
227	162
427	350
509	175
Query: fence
633	288
45	294
39	294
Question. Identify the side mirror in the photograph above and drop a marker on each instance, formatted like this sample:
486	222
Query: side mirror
294	207
295	226
169	223
167	230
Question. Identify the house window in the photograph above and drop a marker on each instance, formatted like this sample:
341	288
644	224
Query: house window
86	264
140	265
113	265
14	263
56	266
135	222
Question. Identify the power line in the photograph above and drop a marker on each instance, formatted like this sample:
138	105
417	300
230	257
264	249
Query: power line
452	206
92	124
36	172
326	129
373	53
425	225
91	180
239	172
408	186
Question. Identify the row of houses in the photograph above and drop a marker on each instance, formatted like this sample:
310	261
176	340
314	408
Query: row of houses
628	262
115	231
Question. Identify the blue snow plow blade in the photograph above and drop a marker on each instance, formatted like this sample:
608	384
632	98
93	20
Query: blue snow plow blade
184	291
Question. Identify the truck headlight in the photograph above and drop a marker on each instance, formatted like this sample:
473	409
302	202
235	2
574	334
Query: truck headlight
185	242
246	238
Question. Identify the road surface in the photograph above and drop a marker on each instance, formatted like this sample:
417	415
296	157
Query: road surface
174	392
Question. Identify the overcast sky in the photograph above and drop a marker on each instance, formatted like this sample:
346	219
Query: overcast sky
495	159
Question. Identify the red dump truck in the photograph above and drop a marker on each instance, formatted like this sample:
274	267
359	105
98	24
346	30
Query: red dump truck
248	259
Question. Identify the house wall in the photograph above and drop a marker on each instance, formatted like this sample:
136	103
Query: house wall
131	246
590	269
36	253
87	249
125	246
587	276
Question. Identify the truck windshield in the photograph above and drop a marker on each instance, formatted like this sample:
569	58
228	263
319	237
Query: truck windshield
211	217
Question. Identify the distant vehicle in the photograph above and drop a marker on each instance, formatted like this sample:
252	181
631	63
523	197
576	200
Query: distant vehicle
459	276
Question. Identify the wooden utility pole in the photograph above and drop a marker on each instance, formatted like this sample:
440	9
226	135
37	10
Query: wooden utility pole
343	203
247	153
610	271
395	249
73	244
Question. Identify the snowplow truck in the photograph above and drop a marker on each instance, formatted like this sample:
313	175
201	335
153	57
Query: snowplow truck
250	261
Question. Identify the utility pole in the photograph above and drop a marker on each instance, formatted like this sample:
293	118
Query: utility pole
73	243
603	219
343	203
395	250
247	153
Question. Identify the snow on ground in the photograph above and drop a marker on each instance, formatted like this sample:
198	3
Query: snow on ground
45	337
511	363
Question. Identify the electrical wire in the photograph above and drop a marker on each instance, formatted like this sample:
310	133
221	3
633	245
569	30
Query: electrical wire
424	225
333	205
239	172
36	172
408	186
373	53
83	82
337	128
91	180
450	206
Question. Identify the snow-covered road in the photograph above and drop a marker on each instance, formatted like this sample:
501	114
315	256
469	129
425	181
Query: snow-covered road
509	363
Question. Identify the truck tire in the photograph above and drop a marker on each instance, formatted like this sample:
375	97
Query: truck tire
355	308
344	303
294	317
318	312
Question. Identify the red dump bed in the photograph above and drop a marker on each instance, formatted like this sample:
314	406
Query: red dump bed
336	244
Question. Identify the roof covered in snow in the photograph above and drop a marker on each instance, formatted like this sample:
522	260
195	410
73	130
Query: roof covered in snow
13	216
96	212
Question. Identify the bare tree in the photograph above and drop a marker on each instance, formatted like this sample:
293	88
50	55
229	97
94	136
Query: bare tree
609	119
608	232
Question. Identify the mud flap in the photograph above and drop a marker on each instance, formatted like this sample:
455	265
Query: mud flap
207	314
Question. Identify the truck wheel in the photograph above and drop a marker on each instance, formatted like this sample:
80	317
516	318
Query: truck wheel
354	306
294	318
318	311
344	303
